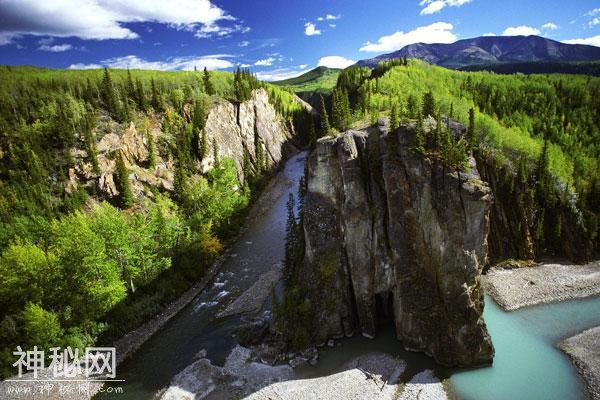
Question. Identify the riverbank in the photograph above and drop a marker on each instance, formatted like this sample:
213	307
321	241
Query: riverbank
546	283
371	376
584	351
132	341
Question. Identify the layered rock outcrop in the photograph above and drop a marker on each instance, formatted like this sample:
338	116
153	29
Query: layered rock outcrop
394	235
234	128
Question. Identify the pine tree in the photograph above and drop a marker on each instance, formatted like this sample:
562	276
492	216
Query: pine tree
124	184
181	187
412	107
428	104
109	95
151	150
419	140
140	96
312	135
291	242
394	124
156	100
204	145
215	153
471	128
90	141
259	155
130	88
209	89
325	127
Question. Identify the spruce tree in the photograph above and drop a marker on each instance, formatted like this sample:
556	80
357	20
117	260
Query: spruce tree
156	100
109	95
130	88
471	128
428	104
151	150
312	135
209	89
204	145
215	153
325	127
90	141
419	140
140	96
123	181
289	258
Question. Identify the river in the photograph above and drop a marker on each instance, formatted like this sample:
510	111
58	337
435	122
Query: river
527	364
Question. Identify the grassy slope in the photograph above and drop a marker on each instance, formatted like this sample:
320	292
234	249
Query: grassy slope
320	79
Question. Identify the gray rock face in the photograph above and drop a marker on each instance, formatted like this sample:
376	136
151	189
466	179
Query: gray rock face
393	235
234	127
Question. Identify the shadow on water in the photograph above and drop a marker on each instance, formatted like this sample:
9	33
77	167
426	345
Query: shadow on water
196	327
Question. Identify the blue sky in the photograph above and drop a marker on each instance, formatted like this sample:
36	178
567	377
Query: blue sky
275	38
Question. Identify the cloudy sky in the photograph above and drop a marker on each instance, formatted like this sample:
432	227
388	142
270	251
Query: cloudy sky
275	38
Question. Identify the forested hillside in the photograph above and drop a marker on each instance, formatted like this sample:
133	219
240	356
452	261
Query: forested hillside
114	199
536	139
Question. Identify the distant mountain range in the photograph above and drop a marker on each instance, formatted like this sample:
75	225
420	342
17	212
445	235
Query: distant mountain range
491	50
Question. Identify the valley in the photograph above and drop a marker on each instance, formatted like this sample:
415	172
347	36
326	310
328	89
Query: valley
419	224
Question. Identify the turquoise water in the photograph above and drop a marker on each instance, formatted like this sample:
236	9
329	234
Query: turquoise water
528	365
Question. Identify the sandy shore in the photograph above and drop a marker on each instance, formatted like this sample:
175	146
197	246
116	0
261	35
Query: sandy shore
516	288
584	351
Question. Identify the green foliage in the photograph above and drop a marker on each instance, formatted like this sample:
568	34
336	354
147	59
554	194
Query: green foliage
341	113
320	80
325	127
43	327
124	186
209	88
508	117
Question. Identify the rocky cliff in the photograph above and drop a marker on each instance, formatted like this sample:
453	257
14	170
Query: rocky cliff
391	235
233	127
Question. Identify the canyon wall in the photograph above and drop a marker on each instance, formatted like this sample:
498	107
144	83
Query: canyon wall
392	235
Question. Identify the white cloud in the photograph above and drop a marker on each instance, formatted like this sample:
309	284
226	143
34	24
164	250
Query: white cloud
320	19
592	41
267	62
57	48
211	62
330	17
591	13
489	34
595	21
101	19
333	26
522	30
335	62
281	74
303	66
245	65
434	6
550	26
85	66
244	43
439	32
310	29
208	31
